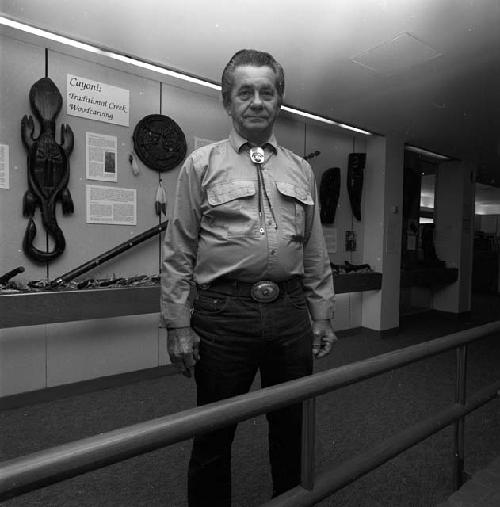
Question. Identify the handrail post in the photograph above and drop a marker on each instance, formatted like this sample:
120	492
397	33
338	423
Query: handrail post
308	443
459	426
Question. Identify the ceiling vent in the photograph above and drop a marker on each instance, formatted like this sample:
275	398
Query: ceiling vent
401	53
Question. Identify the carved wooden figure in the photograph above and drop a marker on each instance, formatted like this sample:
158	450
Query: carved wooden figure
48	169
355	170
329	190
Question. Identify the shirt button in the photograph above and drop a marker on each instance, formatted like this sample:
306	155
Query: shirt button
269	222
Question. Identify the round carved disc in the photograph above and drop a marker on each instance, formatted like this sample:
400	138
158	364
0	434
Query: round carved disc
159	142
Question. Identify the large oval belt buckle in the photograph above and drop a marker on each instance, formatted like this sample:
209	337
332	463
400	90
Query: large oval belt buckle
265	291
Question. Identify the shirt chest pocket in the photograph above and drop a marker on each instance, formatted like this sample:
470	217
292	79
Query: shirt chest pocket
294	201
232	208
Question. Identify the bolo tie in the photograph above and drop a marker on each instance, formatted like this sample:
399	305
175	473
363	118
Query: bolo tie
257	156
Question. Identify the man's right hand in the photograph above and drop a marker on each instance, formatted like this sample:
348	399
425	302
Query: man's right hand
183	346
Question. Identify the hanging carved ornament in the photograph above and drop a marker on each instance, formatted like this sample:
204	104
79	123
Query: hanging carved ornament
159	142
329	190
355	173
48	169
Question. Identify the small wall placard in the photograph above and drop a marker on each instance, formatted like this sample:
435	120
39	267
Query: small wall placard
97	101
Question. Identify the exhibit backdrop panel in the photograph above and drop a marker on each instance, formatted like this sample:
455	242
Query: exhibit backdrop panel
201	117
334	147
198	111
87	240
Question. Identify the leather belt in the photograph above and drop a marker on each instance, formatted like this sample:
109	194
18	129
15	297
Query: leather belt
263	291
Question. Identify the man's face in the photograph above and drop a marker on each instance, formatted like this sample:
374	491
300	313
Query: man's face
254	102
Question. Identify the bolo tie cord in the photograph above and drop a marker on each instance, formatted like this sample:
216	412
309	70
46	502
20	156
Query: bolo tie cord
257	156
262	186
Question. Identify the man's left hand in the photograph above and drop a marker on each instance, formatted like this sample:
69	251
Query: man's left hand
324	337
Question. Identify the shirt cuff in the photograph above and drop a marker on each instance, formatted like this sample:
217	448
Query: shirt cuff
175	315
321	310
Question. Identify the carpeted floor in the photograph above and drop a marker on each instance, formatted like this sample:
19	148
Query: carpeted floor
348	422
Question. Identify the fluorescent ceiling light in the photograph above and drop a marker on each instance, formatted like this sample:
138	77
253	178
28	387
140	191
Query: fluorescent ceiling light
47	35
354	129
316	117
323	119
138	62
161	70
104	52
428	153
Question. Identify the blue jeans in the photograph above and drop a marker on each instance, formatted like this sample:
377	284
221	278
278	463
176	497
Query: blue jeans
240	336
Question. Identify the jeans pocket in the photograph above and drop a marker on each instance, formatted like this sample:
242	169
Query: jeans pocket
210	303
297	300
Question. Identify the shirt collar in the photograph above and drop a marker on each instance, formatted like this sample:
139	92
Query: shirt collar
237	142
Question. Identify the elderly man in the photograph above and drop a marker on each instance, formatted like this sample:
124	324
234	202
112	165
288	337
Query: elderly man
246	232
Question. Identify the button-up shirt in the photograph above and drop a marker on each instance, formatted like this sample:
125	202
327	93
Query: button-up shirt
231	222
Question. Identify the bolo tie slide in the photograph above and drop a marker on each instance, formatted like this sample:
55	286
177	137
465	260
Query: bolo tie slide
257	155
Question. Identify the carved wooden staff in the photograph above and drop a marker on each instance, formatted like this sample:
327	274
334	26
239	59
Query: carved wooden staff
11	274
117	250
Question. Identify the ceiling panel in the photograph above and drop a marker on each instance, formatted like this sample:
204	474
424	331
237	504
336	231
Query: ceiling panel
449	103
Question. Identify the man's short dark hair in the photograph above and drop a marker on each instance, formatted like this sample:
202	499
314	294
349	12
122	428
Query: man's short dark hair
253	58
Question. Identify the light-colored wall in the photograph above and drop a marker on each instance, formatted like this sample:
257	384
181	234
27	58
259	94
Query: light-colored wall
382	250
36	357
48	355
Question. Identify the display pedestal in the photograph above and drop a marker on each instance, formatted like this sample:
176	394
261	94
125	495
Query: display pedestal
30	309
357	282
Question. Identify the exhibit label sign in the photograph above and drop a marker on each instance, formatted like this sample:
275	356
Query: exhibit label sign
97	101
4	166
111	205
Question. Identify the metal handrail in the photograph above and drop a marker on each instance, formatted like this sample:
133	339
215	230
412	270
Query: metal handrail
330	481
26	473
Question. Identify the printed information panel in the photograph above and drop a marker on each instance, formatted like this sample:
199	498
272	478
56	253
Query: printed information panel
101	153
111	205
